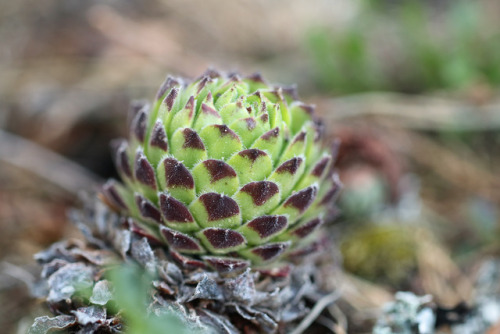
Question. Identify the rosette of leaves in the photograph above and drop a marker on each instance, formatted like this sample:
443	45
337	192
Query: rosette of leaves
227	171
225	187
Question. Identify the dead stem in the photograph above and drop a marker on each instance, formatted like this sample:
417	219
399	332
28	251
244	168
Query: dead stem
315	312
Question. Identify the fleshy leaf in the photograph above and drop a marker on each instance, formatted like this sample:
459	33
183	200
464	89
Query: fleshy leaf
180	241
215	176
262	229
221	142
220	240
158	144
315	172
271	142
188	147
145	175
257	198
296	148
288	174
216	210
225	265
184	117
265	253
297	203
176	214
251	165
176	178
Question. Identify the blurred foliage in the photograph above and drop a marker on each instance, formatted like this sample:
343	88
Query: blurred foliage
413	46
365	199
381	253
132	287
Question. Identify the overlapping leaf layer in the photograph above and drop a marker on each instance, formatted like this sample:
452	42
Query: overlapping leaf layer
226	171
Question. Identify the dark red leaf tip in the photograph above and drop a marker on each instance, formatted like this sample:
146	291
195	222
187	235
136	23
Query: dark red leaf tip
179	241
190	105
147	209
271	251
143	232
239	102
266	226
333	192
303	199
218	170
263	107
219	206
252	154
186	262
212	73
319	168
166	85
278	93
174	210
203	82
307	250
135	107
251	124
139	125
112	195
226	265
234	77
301	136
264	117
329	196
274	133
290	166
159	137
261	191
170	98
309	227
221	238
192	139
308	108
144	172
122	161
177	175
256	77
209	98
226	131
206	109
291	91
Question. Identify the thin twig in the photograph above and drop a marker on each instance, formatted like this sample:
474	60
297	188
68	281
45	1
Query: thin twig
315	312
48	165
340	317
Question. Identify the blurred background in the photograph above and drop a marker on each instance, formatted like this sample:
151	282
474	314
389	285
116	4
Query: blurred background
411	89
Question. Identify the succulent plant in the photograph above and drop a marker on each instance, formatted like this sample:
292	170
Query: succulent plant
226	169
225	179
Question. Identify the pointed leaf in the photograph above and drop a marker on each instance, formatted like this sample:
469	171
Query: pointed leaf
262	229
220	240
216	210
215	176
176	178
221	142
251	165
257	198
188	147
